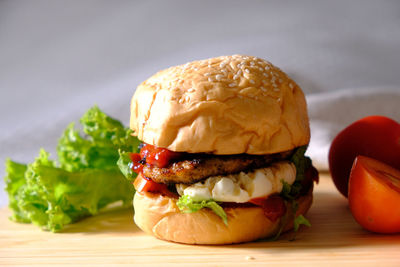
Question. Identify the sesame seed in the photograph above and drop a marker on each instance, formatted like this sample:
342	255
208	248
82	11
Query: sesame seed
187	98
279	99
265	74
291	85
267	67
190	90
276	89
232	85
235	76
239	72
207	74
252	63
247	70
260	69
223	64
209	65
210	79
180	101
263	89
195	69
224	71
252	81
219	77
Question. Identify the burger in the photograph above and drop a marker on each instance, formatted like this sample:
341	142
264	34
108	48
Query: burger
222	153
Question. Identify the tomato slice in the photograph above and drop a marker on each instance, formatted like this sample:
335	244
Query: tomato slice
374	195
273	206
143	184
377	137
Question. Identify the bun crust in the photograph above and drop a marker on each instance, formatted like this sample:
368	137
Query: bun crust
224	105
159	215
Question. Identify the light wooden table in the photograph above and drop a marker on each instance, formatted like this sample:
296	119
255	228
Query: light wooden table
112	238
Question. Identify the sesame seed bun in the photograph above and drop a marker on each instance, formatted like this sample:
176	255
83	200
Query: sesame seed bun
159	215
224	105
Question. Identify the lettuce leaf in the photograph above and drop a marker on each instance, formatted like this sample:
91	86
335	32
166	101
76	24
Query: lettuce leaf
299	220
125	165
99	149
86	179
301	162
14	181
188	205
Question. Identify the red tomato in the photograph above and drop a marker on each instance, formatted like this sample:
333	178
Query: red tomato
374	136
273	206
374	195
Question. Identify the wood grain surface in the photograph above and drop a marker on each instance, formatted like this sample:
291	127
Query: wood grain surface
111	238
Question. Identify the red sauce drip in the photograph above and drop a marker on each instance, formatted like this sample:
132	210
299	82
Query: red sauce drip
156	156
136	165
144	184
273	206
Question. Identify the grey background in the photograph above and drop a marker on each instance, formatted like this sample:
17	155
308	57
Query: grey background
58	58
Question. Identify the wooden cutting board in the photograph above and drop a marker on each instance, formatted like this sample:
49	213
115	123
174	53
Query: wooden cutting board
112	238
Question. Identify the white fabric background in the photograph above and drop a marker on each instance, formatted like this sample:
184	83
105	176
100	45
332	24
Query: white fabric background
58	58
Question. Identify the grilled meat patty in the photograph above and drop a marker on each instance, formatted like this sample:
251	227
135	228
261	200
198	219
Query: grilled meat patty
201	166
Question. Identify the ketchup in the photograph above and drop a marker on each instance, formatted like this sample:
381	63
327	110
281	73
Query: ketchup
156	156
136	159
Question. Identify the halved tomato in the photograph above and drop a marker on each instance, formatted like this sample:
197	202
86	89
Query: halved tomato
377	137
374	195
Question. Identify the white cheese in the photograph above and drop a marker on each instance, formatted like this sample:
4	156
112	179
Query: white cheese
242	187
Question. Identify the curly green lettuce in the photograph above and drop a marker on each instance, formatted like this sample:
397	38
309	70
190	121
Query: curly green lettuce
86	179
186	204
125	165
104	136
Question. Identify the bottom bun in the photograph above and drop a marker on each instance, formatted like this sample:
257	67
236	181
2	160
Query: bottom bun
159	215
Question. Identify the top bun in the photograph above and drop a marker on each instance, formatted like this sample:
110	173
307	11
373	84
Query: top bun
224	105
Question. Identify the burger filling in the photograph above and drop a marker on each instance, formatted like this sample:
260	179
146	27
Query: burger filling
218	181
243	186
